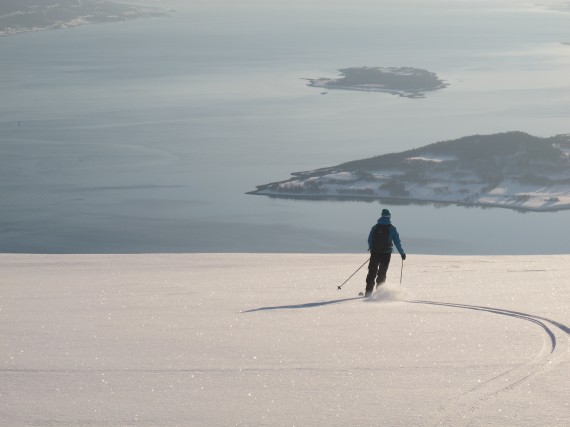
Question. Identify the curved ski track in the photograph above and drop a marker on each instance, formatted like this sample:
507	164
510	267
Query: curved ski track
460	410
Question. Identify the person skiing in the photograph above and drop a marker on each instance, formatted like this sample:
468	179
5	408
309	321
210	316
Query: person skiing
380	240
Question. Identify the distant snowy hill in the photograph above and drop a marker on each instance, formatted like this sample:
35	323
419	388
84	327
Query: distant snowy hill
18	16
512	170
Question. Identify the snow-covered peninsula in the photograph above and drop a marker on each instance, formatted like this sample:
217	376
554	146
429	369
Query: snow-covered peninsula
18	16
510	170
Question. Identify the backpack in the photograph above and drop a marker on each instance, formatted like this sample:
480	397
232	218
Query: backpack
381	241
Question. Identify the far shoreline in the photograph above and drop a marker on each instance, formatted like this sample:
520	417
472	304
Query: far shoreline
31	16
70	27
404	201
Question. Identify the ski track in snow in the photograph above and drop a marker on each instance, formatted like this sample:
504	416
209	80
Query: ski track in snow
460	410
155	321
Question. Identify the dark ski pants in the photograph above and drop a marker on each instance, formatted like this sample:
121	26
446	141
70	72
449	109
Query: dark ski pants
377	268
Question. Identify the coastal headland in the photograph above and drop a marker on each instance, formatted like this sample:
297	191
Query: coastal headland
509	170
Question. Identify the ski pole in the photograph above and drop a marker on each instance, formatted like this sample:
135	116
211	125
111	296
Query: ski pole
339	287
402	271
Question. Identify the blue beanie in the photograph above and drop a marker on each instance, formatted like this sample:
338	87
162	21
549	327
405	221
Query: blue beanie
386	213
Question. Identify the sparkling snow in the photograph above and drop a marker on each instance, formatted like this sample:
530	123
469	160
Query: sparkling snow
262	339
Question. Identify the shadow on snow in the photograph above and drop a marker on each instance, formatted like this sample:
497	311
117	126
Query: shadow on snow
307	305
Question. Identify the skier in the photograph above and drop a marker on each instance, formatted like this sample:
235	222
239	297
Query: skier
380	240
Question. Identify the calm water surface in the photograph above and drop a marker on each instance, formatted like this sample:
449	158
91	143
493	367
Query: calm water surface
145	136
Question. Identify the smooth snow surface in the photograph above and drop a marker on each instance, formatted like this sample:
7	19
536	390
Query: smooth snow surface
268	340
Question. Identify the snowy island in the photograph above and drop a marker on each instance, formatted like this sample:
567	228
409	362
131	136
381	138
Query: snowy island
18	16
406	82
509	170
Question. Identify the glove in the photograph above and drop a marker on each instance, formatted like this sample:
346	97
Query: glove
403	257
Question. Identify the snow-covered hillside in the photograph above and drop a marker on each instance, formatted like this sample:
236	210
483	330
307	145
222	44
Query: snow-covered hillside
511	170
262	339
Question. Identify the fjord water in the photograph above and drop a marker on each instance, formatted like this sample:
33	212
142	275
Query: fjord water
144	136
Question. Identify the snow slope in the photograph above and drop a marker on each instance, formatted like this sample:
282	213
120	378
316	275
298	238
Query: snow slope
243	339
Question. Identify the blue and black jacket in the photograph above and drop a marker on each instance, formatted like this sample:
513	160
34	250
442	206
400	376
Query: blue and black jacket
394	236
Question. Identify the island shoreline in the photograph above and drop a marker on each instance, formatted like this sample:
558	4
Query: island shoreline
402	201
